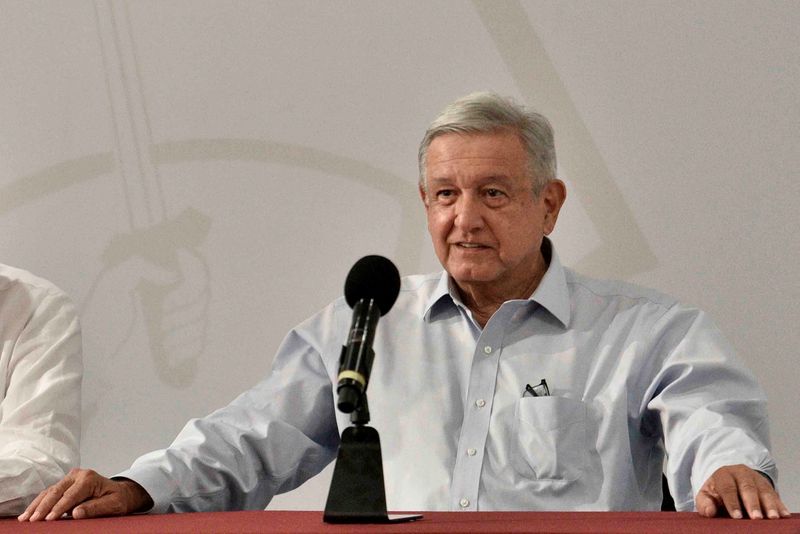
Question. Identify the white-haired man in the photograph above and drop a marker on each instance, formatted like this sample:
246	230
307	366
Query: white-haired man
505	382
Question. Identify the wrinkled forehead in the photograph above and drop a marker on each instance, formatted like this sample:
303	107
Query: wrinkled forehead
499	153
501	143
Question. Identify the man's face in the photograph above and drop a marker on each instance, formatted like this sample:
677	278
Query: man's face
485	223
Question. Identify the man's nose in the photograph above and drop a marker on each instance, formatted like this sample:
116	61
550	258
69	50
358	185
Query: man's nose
469	214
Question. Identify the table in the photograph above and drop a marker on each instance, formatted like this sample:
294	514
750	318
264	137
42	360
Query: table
432	522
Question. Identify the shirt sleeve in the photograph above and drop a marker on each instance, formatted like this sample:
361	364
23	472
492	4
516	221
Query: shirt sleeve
269	440
709	406
40	412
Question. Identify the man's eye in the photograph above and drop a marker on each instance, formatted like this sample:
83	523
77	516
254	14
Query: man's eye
444	193
494	193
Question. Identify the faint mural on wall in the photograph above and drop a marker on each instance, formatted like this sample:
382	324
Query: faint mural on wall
172	299
175	313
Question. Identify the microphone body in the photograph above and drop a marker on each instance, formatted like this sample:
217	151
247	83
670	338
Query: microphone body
357	355
371	288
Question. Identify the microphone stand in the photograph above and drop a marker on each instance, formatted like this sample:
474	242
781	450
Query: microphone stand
357	493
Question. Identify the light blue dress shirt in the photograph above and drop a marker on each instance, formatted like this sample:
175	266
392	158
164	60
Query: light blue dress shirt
630	372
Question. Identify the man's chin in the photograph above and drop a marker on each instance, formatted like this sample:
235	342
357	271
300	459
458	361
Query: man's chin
472	276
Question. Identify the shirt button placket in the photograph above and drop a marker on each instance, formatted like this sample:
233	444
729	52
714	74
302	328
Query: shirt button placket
475	427
482	385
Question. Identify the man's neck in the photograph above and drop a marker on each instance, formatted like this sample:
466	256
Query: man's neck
484	299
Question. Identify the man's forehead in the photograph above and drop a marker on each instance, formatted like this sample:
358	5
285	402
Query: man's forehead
497	155
446	161
500	146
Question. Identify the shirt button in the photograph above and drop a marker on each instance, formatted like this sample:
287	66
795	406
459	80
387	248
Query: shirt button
480	403
464	502
471	451
487	349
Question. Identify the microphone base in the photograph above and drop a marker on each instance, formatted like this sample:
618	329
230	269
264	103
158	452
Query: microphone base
357	493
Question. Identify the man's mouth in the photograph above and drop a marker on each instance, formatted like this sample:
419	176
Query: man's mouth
470	245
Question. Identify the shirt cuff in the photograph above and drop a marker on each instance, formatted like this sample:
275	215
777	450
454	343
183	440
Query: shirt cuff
154	483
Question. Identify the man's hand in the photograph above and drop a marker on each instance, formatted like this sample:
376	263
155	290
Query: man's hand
734	486
86	494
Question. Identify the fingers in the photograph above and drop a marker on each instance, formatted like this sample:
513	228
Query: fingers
110	504
78	486
84	488
719	493
55	500
706	504
770	502
740	491
24	516
758	496
735	493
749	493
117	497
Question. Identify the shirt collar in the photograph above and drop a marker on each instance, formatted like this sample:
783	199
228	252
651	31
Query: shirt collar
551	294
442	293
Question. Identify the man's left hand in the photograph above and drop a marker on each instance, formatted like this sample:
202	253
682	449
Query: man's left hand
734	487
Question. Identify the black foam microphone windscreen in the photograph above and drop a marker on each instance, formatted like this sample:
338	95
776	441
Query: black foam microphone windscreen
373	277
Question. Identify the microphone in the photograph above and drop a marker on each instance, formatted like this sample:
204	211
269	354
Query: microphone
371	289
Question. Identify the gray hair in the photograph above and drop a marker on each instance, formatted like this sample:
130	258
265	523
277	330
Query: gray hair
488	112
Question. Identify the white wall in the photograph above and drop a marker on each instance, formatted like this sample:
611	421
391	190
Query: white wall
201	175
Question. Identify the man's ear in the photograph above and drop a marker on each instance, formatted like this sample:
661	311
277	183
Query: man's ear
553	196
423	195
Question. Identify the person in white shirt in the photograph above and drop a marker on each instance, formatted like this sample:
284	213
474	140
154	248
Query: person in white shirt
40	387
634	377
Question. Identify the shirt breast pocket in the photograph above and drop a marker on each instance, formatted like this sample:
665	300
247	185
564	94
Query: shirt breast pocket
550	438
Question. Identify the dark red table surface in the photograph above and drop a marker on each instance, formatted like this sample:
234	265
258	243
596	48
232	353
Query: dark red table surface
444	522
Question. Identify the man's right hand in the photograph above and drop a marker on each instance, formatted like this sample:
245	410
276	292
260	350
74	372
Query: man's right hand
85	494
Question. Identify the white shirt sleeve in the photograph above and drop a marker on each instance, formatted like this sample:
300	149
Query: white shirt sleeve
711	409
40	361
269	440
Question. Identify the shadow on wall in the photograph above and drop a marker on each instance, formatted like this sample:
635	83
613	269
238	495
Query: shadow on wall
623	251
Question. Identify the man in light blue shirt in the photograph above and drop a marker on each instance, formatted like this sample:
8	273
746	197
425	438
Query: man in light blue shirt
458	386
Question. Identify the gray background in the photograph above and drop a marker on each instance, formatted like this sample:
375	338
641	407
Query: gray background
201	175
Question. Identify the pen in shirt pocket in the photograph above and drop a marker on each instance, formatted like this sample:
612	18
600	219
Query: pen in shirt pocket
539	390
